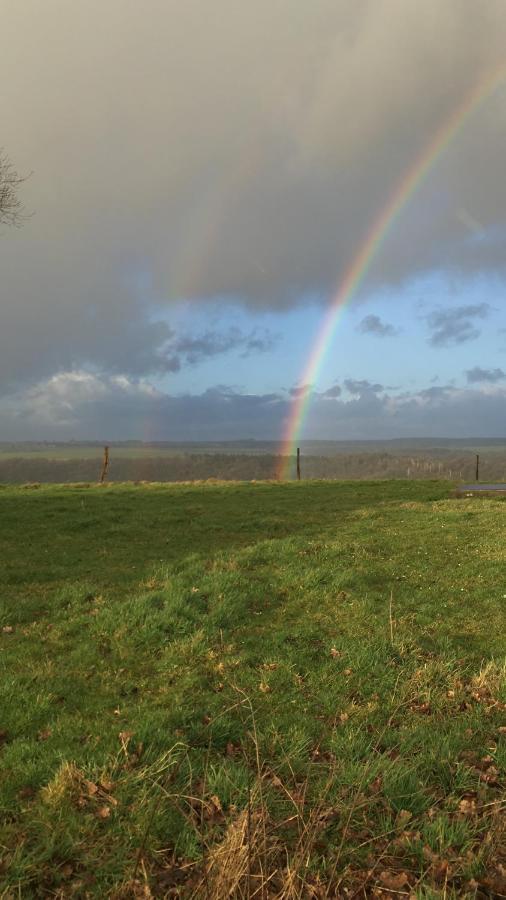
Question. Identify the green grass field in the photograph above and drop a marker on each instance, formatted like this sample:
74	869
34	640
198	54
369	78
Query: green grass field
252	690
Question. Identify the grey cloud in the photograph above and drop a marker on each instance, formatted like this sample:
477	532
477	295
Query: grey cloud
82	405
260	342
299	390
374	325
455	325
477	375
333	392
434	393
119	339
79	404
362	387
194	349
189	150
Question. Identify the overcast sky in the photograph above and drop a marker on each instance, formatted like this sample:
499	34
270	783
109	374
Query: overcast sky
203	173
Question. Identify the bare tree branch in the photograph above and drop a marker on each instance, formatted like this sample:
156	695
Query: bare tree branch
11	209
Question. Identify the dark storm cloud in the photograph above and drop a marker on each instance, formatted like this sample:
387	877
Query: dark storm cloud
478	375
456	325
374	325
230	150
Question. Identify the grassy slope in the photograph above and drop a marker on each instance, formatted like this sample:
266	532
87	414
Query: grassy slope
327	657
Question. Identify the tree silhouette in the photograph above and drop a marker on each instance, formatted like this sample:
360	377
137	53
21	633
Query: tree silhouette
11	208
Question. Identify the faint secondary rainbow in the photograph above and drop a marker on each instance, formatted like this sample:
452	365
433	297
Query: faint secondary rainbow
360	265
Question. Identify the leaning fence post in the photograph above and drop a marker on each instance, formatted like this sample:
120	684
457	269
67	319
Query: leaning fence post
105	465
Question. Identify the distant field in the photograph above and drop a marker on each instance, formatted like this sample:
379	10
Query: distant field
76	451
420	447
453	460
271	690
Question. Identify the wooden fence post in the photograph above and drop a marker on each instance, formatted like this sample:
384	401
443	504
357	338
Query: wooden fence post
105	465
477	467
298	463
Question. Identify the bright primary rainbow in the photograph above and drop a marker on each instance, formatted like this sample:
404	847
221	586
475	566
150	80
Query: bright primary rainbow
374	239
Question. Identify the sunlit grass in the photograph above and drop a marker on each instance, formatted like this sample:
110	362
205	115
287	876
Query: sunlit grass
209	688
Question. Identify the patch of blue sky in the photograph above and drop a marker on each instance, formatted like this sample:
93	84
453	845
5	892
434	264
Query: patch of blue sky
406	360
246	370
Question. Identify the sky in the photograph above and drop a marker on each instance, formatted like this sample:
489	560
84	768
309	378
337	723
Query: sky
201	177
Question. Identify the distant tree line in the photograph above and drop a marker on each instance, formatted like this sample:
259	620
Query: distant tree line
245	467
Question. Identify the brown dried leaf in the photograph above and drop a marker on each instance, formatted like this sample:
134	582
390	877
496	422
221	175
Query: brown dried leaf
103	812
7	629
376	785
264	687
496	886
486	761
440	872
139	890
106	786
469	756
490	777
403	817
430	856
394	882
91	787
44	734
335	654
467	806
407	837
439	867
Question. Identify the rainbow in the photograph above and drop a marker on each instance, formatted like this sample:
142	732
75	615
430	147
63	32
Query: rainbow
360	265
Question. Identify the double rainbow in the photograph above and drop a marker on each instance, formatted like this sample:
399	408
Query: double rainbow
360	265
